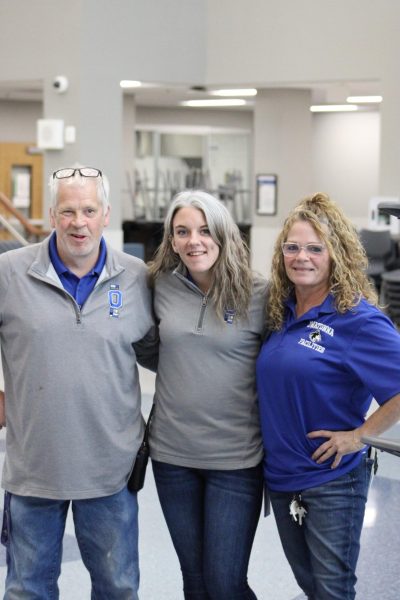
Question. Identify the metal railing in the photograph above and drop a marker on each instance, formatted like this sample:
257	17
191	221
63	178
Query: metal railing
385	444
31	231
11	229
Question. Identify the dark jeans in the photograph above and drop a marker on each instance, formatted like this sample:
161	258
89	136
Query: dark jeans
212	517
323	551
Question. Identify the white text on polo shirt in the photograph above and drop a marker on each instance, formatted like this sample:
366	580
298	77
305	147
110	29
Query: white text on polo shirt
321	327
311	345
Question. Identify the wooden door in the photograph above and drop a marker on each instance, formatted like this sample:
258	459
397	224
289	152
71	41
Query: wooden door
21	180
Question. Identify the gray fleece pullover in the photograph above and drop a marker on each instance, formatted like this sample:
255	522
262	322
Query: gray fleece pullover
71	382
206	405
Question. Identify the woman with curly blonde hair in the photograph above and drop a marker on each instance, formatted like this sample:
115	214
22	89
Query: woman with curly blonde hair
330	350
205	439
348	282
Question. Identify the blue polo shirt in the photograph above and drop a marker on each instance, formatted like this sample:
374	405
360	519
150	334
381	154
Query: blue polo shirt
321	371
79	288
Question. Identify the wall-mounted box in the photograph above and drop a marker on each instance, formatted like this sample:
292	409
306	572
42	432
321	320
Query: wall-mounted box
50	134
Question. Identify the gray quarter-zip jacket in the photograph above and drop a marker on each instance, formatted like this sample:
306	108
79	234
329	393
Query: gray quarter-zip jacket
206	405
71	382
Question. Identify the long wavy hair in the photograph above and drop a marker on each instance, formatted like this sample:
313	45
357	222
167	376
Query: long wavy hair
232	280
348	281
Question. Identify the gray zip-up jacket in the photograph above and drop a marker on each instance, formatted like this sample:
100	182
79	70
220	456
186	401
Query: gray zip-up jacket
71	382
206	406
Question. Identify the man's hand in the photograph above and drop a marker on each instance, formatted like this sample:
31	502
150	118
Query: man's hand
2	410
338	444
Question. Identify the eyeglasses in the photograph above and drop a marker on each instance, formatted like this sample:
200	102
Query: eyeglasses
83	171
293	249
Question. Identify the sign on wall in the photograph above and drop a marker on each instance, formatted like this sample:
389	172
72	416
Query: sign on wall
266	194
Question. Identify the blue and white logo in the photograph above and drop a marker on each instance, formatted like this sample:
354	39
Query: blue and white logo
229	315
114	300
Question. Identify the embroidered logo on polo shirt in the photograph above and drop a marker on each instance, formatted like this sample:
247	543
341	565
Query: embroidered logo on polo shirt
312	345
321	327
315	336
114	300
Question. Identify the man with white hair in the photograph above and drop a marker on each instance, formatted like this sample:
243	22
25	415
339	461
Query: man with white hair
74	314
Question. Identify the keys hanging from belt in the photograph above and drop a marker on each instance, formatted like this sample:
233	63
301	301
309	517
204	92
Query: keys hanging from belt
297	509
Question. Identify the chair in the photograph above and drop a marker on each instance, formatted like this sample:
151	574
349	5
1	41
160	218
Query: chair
381	251
390	294
134	249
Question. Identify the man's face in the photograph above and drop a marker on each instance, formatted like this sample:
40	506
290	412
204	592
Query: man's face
79	220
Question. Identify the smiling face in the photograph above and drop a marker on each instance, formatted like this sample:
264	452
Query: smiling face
79	220
309	273
192	241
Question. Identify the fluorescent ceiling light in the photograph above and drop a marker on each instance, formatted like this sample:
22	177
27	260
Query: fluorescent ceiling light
210	103
333	108
128	84
237	92
365	99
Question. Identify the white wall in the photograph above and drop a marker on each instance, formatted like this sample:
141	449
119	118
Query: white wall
345	160
149	40
345	165
18	120
277	41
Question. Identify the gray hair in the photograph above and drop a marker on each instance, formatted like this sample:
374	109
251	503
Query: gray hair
219	219
232	277
102	184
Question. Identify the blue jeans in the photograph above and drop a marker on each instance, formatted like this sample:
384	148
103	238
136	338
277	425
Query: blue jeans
323	551
212	517
107	534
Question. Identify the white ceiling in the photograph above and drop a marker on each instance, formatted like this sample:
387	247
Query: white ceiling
165	95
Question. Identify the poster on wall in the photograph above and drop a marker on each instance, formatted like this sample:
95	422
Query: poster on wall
266	194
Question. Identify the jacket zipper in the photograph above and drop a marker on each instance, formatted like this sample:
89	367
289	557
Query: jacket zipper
78	315
198	291
202	312
77	308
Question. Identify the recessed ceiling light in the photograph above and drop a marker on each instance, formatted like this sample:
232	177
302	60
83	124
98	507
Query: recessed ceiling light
237	92
214	103
365	99
333	108
128	84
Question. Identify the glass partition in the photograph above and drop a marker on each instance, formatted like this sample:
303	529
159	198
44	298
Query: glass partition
168	162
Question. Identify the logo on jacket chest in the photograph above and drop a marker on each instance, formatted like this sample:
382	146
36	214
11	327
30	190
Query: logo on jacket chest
229	316
114	300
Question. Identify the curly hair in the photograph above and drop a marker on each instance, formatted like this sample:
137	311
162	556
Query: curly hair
232	280
348	280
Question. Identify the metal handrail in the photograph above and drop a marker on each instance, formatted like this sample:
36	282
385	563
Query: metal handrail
13	231
27	225
385	444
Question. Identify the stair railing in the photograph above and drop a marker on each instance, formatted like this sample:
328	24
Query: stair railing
30	230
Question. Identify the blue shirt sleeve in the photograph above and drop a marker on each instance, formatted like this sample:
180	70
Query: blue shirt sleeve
374	356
